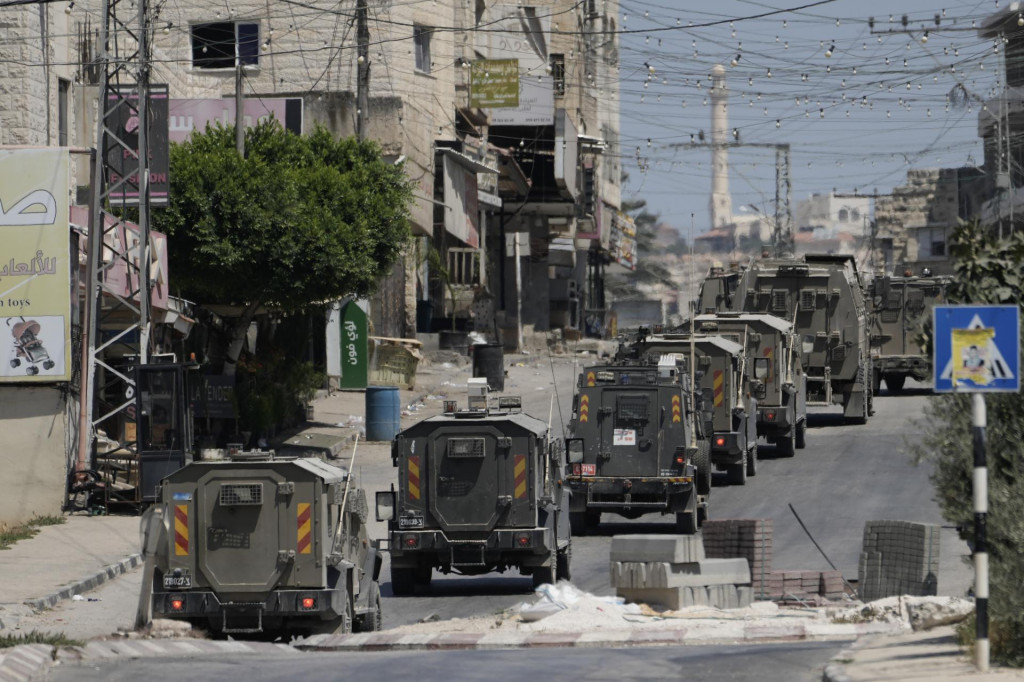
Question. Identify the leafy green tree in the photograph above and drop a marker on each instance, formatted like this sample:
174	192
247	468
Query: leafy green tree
297	222
987	271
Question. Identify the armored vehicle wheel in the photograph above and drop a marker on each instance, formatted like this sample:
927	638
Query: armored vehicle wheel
545	575
702	460
403	580
736	473
801	435
894	382
785	445
752	462
686	522
563	569
424	572
372	620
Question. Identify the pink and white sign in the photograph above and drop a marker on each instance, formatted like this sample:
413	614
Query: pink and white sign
187	115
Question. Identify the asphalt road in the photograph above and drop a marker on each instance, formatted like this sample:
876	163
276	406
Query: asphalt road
765	663
846	476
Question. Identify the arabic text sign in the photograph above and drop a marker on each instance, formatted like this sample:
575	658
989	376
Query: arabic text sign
976	348
495	83
35	284
536	105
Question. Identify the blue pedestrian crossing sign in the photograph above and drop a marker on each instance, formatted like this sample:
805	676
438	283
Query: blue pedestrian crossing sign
976	348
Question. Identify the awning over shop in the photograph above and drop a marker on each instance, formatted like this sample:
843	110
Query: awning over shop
462	209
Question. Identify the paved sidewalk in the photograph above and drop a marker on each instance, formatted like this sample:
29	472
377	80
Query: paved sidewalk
928	656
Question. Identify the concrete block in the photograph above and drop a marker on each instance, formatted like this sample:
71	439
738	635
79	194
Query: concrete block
673	549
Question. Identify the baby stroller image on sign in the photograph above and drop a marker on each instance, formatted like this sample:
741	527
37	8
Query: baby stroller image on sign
28	346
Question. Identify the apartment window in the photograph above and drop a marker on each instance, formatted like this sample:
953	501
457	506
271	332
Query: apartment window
558	74
931	243
421	43
63	97
225	45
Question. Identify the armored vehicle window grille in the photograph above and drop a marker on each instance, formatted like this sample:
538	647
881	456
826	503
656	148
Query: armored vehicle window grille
239	494
889	315
465	447
894	300
807	299
779	300
632	408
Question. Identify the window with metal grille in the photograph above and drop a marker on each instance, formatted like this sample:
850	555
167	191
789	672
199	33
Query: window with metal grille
631	407
558	74
239	494
807	299
421	44
890	315
779	300
466	447
225	45
464	266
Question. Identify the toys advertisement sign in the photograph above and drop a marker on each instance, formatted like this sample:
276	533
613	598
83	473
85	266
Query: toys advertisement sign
35	290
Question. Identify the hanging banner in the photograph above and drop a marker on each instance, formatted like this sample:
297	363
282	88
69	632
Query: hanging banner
35	271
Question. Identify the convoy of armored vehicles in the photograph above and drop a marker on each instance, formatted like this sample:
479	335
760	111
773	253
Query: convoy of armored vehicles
262	543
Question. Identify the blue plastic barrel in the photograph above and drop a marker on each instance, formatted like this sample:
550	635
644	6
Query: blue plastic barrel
383	412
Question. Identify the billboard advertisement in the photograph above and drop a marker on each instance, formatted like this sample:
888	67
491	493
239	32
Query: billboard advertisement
35	269
122	114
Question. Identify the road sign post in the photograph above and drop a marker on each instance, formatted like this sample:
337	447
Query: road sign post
977	350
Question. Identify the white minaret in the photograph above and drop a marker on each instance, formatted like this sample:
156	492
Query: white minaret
721	202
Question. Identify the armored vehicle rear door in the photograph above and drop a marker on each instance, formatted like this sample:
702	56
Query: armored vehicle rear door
246	524
480	477
632	429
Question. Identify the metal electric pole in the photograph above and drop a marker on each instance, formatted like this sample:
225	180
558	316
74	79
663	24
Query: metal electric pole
782	233
362	70
120	170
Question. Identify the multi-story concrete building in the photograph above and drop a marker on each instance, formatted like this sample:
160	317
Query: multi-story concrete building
512	205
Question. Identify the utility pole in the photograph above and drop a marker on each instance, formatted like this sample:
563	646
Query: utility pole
362	70
125	76
782	235
239	109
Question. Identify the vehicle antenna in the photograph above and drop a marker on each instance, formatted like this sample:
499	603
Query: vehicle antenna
344	497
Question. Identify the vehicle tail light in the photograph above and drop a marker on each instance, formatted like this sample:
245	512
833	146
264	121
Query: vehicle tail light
410	541
770	415
720	441
177	605
680	460
308	603
523	540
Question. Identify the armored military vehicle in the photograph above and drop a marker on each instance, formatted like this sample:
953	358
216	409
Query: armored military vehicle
777	380
262	544
821	296
900	308
722	379
638	445
479	491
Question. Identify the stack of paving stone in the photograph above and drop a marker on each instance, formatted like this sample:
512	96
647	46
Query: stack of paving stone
750	539
673	571
898	557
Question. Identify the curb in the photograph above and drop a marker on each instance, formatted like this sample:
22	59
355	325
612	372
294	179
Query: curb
730	633
88	583
835	670
25	662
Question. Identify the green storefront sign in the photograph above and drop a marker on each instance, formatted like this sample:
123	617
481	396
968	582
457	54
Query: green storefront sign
494	83
355	354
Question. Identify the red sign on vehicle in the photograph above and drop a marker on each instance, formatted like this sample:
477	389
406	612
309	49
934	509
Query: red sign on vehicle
588	469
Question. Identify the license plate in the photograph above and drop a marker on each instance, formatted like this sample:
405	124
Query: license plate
177	581
410	522
588	470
